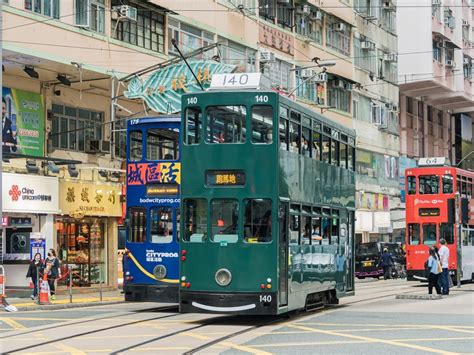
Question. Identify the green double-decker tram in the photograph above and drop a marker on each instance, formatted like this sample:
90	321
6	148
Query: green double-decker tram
268	200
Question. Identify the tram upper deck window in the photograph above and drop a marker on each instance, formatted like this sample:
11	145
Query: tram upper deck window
306	230
258	220
351	158
411	185
316	230
414	234
161	225
343	155
316	145
195	220
335	148
428	184
137	222
283	133
446	231
226	124
224	220
162	144
306	140
193	117
326	151
429	234
447	184
136	146
262	122
294	228
295	140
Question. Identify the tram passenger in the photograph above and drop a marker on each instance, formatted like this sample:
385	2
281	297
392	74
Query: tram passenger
305	151
444	258
387	262
305	238
433	267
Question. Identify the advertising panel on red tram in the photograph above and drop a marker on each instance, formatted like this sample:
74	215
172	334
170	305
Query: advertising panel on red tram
438	206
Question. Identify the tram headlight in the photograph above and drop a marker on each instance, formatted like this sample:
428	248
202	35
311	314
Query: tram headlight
223	277
159	271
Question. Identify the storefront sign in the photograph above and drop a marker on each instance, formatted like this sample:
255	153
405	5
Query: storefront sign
142	174
86	199
29	193
22	122
276	39
162	90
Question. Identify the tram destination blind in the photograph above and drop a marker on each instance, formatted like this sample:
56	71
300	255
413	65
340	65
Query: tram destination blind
225	178
428	212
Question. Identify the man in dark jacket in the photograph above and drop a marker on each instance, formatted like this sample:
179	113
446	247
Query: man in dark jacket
387	262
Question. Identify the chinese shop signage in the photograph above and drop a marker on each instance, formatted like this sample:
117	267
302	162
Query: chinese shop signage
276	39
162	90
159	173
82	199
28	193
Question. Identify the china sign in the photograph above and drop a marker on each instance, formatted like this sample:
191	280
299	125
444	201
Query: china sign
162	90
22	122
79	199
27	193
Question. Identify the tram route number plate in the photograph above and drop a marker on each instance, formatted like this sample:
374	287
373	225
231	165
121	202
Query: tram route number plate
236	81
367	263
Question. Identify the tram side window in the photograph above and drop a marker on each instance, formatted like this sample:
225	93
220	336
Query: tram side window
258	221
316	230
326	149
326	228
262	118
193	117
161	225
307	230
351	158
428	184
317	145
411	185
294	228
226	124
137	221
224	220
195	220
446	231
334	152
447	184
414	234
136	145
429	234
283	129
335	231
464	188
162	144
343	155
295	139
306	139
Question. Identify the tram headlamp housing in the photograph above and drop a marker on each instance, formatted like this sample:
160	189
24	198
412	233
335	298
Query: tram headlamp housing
159	271
223	277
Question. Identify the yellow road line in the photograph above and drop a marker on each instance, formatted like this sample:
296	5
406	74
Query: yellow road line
69	349
197	336
12	323
247	349
163	348
375	340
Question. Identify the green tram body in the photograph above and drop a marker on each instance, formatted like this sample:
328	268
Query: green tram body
300	275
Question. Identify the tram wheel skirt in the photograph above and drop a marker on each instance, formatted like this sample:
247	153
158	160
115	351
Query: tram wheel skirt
151	293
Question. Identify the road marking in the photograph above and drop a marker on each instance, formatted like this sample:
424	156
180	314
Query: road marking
452	329
379	325
247	349
162	348
33	318
197	336
375	340
12	323
79	300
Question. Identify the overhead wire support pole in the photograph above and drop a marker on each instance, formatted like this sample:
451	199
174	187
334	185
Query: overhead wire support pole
173	42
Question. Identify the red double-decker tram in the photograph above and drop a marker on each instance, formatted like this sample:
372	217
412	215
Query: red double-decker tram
438	205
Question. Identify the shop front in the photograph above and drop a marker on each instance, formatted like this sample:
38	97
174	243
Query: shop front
87	231
29	205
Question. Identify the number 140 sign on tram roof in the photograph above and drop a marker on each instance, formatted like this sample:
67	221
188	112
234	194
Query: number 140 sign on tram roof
232	81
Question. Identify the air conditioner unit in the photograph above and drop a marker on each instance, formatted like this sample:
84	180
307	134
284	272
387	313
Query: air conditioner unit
450	63
465	23
303	10
267	57
368	45
317	16
321	78
306	73
124	12
392	57
95	146
339	27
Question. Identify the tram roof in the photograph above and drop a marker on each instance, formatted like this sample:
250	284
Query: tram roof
156	119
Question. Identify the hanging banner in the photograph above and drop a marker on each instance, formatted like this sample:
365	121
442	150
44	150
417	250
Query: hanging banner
22	122
162	90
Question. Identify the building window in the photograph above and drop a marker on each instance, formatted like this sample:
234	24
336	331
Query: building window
267	10
365	53
310	25
236	54
147	32
437	51
285	15
310	89
120	139
90	14
467	67
73	127
48	8
188	38
278	72
339	95
338	35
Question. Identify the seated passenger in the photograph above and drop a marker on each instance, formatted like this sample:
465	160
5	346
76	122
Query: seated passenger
168	156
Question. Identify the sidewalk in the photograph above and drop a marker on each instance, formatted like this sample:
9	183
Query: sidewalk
79	299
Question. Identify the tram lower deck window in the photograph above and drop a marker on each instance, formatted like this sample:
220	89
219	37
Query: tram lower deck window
258	221
429	234
137	229
446	231
224	220
161	225
414	234
195	220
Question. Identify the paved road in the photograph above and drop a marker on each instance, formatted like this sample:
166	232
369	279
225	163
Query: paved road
372	322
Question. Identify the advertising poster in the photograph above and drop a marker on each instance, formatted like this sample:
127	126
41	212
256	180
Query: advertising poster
22	122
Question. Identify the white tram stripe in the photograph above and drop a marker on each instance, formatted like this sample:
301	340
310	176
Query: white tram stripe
224	309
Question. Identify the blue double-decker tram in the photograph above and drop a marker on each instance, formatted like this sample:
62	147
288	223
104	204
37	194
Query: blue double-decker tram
153	191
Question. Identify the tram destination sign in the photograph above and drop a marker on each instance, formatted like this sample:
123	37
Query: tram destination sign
162	190
428	212
225	178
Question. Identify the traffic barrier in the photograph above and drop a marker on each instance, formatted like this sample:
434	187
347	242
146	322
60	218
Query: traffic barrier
8	307
44	291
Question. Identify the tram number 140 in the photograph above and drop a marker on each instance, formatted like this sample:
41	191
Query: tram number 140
266	298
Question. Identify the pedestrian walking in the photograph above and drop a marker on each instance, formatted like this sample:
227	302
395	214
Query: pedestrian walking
444	258
387	262
36	266
52	271
434	267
